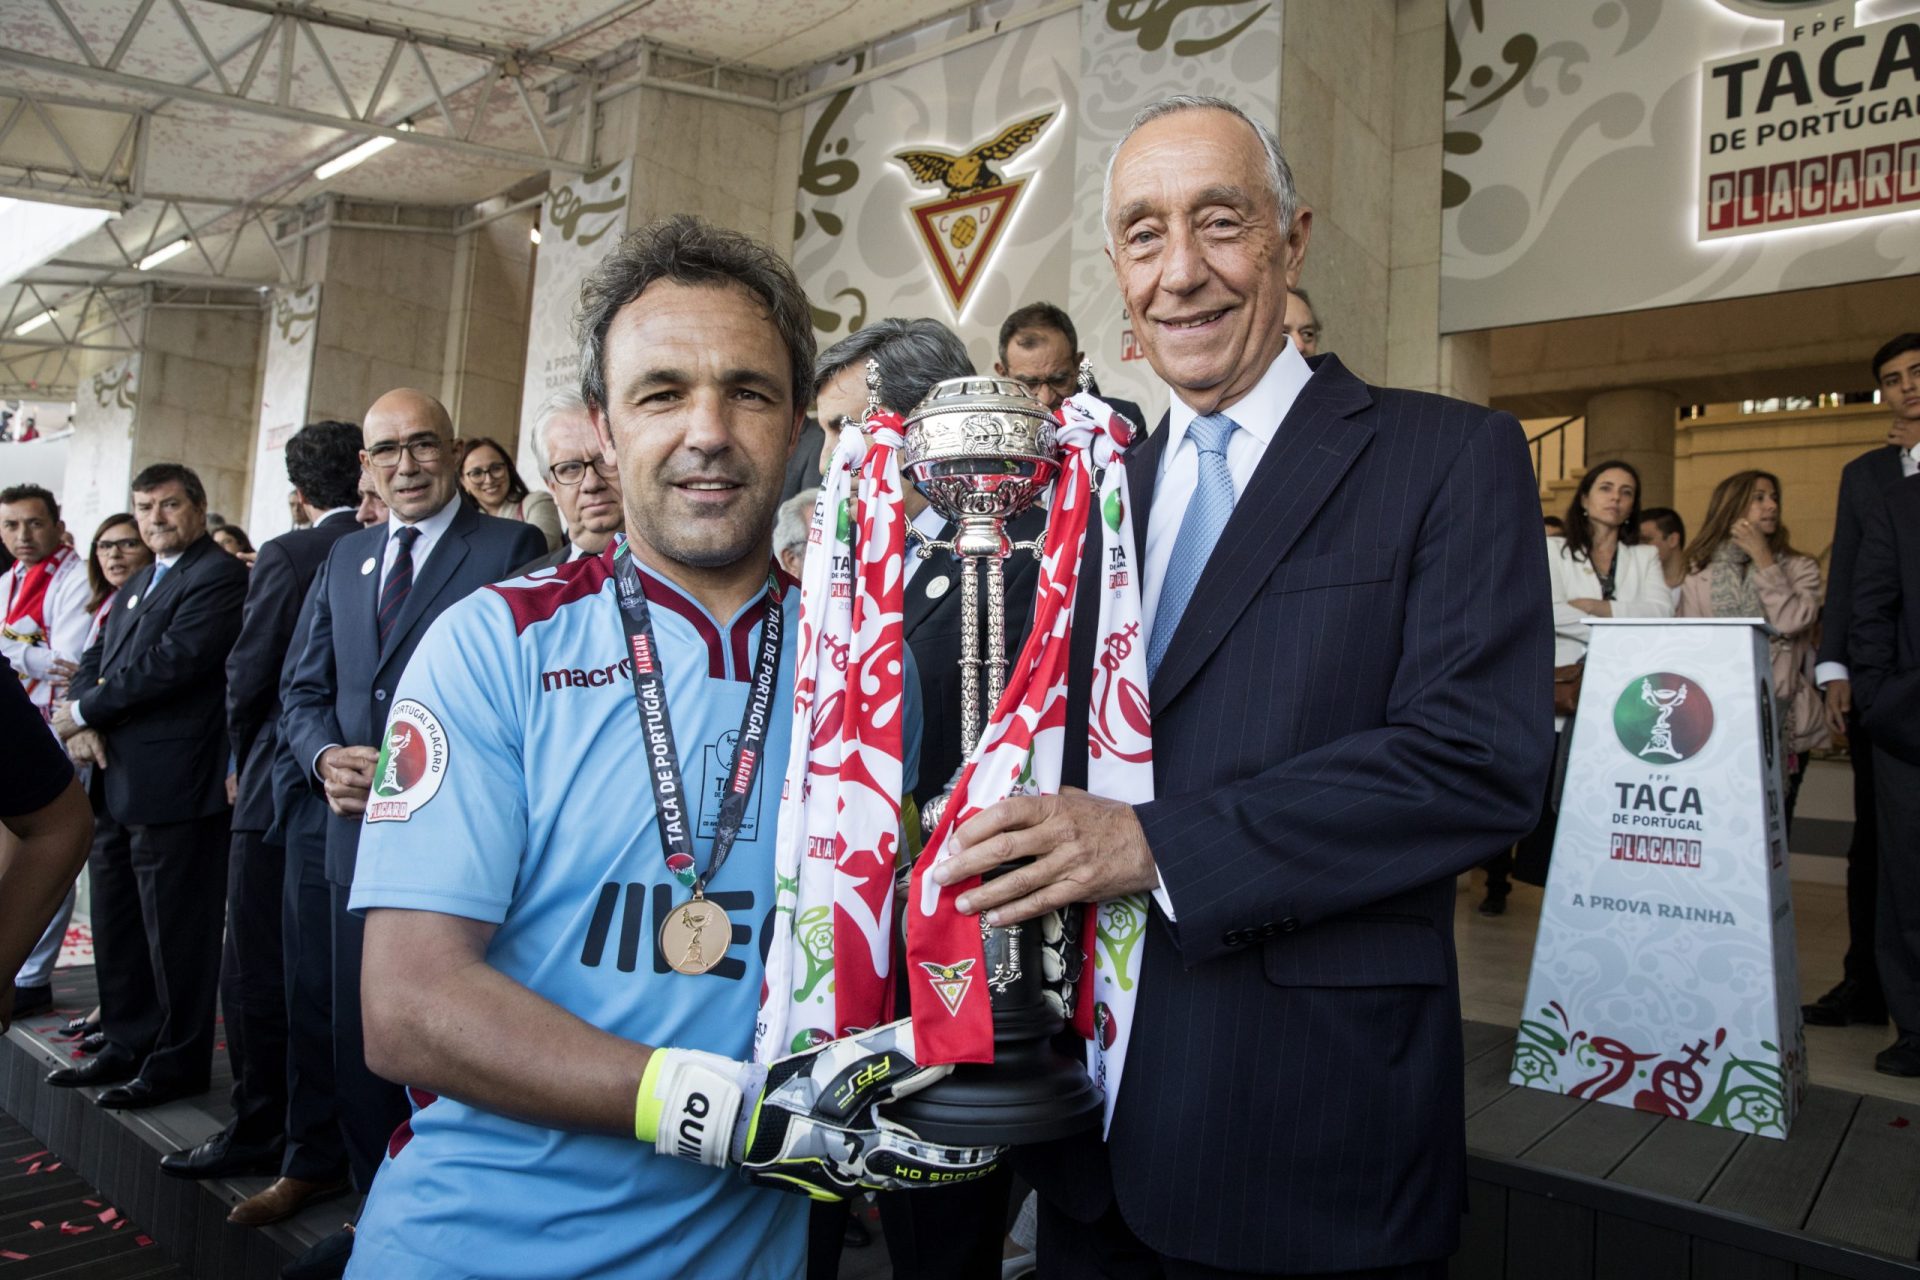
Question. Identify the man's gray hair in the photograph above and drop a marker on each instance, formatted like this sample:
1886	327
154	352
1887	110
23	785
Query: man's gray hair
1279	175
913	355
556	404
687	251
794	521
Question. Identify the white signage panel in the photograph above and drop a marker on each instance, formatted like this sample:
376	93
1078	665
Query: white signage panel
1664	975
286	386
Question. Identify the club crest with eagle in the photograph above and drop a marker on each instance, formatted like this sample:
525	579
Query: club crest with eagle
962	227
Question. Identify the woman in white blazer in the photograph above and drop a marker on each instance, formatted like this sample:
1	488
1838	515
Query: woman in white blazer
1597	569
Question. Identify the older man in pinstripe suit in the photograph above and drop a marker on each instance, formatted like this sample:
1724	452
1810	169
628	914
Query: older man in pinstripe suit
1348	648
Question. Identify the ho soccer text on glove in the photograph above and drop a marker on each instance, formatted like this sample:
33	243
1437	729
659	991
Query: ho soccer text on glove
810	1123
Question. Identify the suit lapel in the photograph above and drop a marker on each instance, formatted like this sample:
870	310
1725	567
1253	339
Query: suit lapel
1143	473
1309	454
433	576
938	567
128	608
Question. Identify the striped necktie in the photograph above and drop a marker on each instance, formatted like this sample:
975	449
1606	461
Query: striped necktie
1207	513
393	594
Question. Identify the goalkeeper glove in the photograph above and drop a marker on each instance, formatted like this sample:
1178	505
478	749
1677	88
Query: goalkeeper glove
810	1122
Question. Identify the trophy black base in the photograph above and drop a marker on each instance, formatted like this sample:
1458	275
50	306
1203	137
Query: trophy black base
1030	1093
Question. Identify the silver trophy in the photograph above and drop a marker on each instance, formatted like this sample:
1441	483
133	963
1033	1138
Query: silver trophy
982	450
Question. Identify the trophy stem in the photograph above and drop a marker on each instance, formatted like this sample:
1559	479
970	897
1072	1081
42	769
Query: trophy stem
969	653
996	656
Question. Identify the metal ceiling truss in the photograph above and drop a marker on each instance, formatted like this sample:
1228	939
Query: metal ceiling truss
290	32
34	366
25	172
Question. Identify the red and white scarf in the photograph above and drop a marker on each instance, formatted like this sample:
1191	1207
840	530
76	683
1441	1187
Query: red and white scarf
829	959
1021	753
26	616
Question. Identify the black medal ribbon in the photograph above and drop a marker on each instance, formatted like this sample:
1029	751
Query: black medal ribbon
656	727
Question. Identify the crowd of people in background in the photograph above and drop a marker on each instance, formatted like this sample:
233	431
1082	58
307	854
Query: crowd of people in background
223	705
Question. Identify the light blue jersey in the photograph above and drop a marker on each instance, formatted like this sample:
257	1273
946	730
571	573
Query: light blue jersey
513	789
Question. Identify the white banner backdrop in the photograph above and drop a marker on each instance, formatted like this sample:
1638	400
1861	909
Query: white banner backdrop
943	190
581	220
100	451
1664	971
1132	54
285	387
1581	174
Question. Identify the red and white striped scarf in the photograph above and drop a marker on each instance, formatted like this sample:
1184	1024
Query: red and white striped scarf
829	958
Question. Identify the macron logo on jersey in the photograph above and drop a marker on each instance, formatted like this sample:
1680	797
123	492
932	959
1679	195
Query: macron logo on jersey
586	678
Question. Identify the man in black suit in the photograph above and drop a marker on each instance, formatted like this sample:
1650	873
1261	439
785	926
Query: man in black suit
1857	996
586	487
1040	350
1884	661
323	462
150	711
375	595
1349	655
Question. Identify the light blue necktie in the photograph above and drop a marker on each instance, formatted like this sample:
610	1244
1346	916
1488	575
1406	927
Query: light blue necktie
160	571
1207	513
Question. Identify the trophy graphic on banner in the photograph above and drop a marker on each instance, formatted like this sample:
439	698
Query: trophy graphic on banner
982	450
1666	702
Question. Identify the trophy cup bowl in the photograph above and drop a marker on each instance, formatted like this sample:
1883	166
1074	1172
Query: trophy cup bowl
982	450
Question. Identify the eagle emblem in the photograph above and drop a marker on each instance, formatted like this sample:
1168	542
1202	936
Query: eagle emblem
961	227
965	174
949	982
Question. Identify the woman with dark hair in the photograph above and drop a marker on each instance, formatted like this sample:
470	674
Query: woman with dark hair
116	554
493	482
1597	568
234	541
1743	566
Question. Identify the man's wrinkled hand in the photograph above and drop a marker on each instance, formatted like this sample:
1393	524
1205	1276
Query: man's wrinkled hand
1085	848
346	774
63	722
88	747
1839	704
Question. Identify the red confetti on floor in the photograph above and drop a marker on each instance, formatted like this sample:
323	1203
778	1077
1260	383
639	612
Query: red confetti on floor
143	1241
1898	1122
11	1256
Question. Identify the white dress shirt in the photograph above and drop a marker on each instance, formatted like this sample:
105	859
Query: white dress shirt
929	522
1826	671
1256	418
430	529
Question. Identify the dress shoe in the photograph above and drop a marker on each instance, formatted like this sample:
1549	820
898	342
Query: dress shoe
85	1025
92	1044
1847	1003
325	1259
1494	905
139	1093
220	1157
29	1001
283	1199
1901	1058
110	1066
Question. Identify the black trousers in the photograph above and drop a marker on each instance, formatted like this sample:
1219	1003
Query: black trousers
1107	1249
253	990
159	892
1863	865
1897	933
370	1108
316	1151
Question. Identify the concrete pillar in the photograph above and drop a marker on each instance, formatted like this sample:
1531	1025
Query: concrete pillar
1636	426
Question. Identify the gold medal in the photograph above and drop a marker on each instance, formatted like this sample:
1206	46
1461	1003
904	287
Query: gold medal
694	936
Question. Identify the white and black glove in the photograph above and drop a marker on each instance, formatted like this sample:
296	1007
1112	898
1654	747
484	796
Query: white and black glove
809	1123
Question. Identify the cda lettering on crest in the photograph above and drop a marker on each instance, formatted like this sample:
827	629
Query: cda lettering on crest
412	764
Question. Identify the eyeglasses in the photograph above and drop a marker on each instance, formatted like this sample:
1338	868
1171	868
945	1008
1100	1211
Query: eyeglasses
386	454
573	472
477	474
117	544
1059	382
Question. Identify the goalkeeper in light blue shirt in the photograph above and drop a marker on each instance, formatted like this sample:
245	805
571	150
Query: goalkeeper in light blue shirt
567	753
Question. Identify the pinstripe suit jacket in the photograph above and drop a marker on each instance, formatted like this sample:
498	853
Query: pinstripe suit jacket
1354	709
